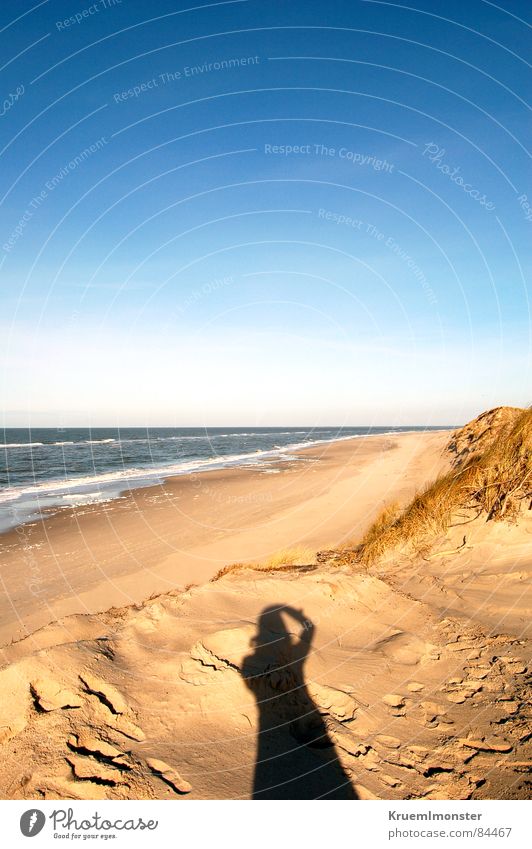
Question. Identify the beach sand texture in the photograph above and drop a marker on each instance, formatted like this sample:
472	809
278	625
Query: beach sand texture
403	679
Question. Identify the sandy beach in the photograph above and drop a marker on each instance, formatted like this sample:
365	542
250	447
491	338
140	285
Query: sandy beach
90	558
334	675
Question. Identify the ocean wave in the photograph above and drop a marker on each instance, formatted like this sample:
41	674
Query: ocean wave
256	433
83	498
170	438
232	435
55	444
60	487
208	436
154	439
20	444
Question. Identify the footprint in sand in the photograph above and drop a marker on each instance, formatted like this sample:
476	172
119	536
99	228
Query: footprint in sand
404	648
85	742
169	774
50	695
90	770
393	700
127	728
388	741
105	692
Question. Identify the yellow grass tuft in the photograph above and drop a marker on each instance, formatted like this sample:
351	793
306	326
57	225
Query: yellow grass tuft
285	560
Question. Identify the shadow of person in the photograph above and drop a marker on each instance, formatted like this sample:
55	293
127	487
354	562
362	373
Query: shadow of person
296	758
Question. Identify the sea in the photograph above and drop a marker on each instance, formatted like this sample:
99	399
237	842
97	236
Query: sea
44	470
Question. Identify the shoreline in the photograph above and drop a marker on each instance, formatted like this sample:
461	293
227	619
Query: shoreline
116	485
183	531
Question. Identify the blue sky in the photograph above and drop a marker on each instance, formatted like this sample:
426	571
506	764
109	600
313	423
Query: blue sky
263	213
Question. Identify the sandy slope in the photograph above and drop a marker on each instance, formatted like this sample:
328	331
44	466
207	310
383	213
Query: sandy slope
406	682
487	580
410	705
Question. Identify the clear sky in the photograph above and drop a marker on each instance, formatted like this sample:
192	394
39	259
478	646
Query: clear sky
256	212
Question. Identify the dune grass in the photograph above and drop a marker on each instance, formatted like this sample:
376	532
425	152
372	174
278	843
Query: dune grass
285	560
495	482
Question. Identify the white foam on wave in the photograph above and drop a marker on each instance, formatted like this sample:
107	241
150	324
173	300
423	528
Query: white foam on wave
20	444
83	498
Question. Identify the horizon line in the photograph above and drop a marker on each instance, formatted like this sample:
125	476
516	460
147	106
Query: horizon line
217	427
